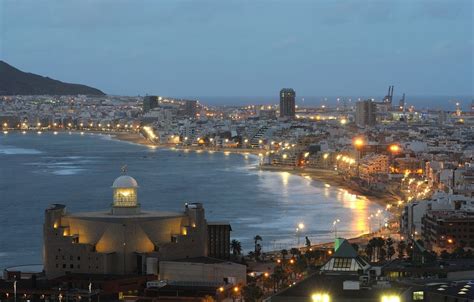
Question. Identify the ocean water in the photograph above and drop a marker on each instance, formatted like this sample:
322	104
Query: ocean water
37	170
421	102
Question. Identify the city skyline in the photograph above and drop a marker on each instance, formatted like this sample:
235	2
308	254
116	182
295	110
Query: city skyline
245	49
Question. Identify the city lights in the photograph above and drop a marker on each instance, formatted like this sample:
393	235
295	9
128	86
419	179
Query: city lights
321	297
390	298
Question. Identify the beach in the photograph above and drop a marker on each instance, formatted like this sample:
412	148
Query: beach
328	177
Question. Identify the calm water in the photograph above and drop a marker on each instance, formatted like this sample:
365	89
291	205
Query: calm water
78	170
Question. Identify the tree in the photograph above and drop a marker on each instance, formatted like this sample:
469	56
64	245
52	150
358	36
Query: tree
401	248
369	250
278	276
252	293
294	251
410	250
380	243
355	246
445	255
459	252
258	248
236	248
390	248
382	254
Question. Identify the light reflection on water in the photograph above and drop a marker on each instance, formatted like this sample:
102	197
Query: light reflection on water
230	186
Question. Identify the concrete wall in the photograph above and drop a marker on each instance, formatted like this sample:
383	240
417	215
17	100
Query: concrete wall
102	244
192	271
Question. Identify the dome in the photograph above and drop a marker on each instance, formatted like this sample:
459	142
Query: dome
125	181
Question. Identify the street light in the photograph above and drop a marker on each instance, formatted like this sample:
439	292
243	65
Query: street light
298	232
334	223
321	297
394	148
390	298
358	143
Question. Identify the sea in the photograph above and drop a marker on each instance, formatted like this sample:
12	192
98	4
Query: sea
420	102
37	170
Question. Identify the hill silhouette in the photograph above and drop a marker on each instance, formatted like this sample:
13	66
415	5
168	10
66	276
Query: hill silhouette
16	82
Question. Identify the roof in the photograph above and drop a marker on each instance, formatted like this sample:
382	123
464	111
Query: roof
345	250
204	260
331	284
125	181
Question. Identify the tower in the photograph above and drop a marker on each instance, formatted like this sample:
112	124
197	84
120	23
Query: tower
125	197
366	112
287	103
401	103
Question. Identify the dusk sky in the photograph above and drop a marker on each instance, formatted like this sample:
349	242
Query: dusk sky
244	48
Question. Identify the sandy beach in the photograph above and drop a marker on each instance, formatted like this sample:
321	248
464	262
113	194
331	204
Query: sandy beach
327	176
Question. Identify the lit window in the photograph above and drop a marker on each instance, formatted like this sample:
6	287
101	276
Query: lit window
418	296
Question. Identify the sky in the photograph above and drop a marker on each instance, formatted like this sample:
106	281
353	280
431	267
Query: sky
244	48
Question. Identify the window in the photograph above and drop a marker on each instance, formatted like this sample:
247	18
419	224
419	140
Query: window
418	296
343	263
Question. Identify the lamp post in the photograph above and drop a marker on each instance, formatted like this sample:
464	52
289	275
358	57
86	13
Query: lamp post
334	224
298	232
358	143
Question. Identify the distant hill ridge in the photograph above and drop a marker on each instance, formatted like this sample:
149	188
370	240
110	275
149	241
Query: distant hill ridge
16	82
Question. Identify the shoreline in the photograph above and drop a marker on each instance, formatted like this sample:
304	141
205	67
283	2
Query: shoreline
327	177
324	176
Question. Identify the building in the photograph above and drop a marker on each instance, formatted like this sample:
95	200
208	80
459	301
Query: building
448	229
366	112
203	270
372	165
218	234
123	240
287	103
190	108
345	260
345	277
150	102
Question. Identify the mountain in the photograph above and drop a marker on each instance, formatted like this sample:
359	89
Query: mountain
17	82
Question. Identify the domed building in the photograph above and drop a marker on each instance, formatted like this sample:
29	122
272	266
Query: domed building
123	239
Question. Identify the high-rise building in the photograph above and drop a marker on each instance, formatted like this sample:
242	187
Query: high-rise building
287	103
366	112
150	102
190	108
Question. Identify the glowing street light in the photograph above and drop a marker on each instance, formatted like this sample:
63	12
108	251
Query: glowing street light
394	148
334	224
390	298
320	297
358	142
299	228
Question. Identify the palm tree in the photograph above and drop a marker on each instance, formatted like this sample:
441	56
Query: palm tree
401	247
294	251
236	248
256	239
390	248
257	249
369	250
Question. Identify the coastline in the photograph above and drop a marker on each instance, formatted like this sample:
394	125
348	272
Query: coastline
328	177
